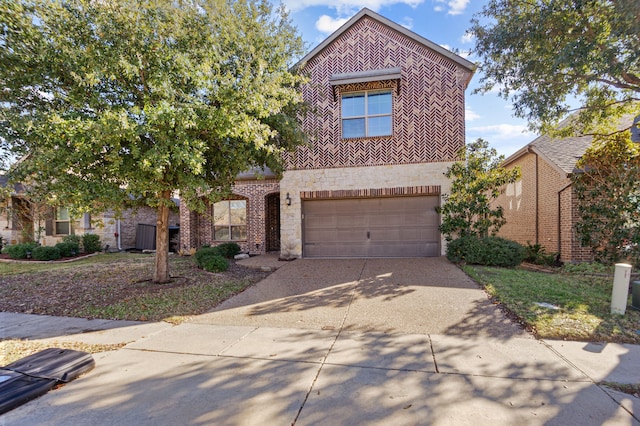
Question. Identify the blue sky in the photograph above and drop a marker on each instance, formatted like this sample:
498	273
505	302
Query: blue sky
444	22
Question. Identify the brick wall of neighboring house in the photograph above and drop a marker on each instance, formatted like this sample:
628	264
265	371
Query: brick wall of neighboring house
519	201
197	229
540	208
428	101
550	183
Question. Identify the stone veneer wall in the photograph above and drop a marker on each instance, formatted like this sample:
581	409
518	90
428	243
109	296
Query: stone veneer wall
295	182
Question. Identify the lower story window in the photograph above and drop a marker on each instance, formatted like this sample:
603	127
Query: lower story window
62	221
230	220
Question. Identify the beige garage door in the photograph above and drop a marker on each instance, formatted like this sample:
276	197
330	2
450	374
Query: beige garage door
371	227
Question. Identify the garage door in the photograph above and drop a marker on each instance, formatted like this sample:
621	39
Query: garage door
371	227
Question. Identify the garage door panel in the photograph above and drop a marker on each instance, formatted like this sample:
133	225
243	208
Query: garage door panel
371	227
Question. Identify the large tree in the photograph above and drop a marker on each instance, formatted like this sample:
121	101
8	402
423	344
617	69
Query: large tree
116	102
477	180
544	54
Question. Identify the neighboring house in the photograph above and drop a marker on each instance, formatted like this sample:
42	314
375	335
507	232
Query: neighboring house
22	220
541	207
390	118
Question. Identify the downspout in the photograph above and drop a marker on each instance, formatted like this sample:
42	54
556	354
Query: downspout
531	151
560	217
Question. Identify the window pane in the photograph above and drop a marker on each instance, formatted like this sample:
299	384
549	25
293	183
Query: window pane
221	233
62	228
353	128
379	103
221	213
62	214
238	233
379	126
238	212
353	105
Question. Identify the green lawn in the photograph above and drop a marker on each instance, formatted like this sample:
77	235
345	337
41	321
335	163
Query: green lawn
580	309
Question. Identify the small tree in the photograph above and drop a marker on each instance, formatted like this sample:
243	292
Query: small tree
608	196
477	181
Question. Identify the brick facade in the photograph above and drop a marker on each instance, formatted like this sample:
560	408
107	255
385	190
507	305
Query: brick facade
197	229
540	208
428	87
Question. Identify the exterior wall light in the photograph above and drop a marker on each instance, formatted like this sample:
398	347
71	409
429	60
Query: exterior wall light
288	199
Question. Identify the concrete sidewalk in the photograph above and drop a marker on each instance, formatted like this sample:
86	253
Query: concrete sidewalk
352	357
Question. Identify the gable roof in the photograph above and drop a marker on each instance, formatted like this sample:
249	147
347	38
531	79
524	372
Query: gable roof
396	27
562	153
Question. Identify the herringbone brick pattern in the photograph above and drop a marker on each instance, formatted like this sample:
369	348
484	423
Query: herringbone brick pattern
428	105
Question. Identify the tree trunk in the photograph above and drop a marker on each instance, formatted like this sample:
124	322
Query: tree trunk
161	274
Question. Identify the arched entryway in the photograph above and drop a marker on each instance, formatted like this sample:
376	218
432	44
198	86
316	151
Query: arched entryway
272	222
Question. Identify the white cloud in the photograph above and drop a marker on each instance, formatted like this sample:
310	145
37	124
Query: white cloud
407	22
470	114
454	7
501	132
467	38
446	46
348	6
327	24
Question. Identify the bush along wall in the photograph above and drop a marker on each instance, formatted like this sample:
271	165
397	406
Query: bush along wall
489	251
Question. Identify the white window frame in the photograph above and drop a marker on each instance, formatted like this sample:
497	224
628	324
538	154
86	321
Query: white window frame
366	115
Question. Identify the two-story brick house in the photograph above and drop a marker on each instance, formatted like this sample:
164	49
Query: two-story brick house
390	111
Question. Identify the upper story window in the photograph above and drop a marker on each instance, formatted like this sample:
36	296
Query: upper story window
230	220
366	114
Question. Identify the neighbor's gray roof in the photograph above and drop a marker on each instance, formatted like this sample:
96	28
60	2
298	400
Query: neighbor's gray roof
562	153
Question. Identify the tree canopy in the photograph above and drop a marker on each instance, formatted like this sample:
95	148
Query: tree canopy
543	54
478	179
111	103
608	198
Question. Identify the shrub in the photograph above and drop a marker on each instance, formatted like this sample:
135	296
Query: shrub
490	251
46	253
75	239
215	263
19	251
68	249
536	254
91	243
228	250
205	252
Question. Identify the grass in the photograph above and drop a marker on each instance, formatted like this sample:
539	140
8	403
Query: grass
570	306
118	286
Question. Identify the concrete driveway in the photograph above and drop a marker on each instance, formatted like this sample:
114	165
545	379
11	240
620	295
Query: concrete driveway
337	342
417	296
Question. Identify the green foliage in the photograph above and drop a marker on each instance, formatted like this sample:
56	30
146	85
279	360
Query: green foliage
542	55
19	251
68	249
205	252
228	250
126	102
477	181
215	264
46	253
536	253
91	243
607	189
489	251
74	239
